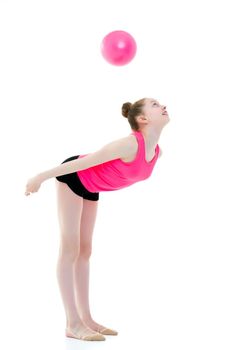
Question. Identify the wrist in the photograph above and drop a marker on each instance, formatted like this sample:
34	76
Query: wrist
41	177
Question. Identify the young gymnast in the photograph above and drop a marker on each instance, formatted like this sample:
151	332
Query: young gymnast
79	179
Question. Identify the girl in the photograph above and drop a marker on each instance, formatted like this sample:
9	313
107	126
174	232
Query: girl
79	179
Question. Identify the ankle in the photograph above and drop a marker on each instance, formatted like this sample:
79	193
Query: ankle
74	323
87	318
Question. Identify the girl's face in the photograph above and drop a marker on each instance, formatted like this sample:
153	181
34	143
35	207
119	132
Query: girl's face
154	111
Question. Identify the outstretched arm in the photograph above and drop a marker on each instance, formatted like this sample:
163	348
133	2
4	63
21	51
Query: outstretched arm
116	149
120	148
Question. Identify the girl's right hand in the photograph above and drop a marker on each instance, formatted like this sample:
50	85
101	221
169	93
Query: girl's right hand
33	185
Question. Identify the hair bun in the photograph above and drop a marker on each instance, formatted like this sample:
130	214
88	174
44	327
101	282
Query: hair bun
126	108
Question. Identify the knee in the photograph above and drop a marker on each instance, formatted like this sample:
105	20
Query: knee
85	250
69	251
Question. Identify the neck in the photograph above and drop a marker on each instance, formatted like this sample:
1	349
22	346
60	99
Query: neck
151	137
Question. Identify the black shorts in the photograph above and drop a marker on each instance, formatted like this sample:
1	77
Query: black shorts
74	183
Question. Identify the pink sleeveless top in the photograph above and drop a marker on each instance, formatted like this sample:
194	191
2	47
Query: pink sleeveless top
116	174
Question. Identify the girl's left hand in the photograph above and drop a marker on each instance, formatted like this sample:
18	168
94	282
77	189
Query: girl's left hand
33	184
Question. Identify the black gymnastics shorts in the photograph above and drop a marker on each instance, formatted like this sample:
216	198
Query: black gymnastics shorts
74	183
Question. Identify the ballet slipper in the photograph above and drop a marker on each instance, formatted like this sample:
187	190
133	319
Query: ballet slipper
106	331
81	335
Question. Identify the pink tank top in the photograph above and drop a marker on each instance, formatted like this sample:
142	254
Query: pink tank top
116	174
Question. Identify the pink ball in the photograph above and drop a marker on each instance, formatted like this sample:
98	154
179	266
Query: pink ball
118	48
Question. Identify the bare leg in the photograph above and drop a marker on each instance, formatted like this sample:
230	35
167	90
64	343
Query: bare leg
82	266
69	208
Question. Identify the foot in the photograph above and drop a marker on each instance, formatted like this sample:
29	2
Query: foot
83	332
99	328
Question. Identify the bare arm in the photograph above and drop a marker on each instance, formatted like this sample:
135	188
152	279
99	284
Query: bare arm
120	148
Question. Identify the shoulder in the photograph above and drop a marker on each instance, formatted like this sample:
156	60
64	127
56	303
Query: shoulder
127	146
132	141
121	147
129	142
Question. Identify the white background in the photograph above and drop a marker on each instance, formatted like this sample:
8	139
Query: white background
161	267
